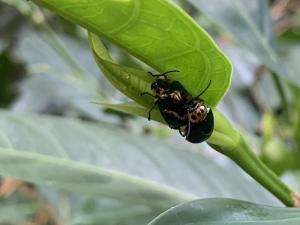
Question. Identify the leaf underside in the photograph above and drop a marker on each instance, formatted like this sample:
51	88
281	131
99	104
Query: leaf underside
160	34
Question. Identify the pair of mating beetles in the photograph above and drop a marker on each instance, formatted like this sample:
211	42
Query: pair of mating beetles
181	111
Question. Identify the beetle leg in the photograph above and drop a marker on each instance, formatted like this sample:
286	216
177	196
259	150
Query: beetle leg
149	114
175	114
163	74
187	129
147	93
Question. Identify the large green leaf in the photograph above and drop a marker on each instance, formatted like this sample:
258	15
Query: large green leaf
160	34
74	176
225	212
249	23
65	152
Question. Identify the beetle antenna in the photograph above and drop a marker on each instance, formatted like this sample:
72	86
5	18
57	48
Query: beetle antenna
205	89
163	74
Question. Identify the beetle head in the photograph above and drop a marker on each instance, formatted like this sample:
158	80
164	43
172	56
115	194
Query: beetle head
160	84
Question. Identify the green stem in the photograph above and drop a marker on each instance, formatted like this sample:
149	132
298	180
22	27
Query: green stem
226	140
249	162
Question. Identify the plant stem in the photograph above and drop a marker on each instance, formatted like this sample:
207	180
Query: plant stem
249	162
226	140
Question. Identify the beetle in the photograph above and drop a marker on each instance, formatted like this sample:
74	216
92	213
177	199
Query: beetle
200	119
169	96
200	122
193	119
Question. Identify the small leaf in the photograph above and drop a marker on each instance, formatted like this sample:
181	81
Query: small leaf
132	82
160	34
227	211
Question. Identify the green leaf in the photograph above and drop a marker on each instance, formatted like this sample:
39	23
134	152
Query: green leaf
249	24
80	178
101	160
128	80
227	211
160	34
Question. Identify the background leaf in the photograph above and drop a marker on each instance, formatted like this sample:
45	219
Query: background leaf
158	33
250	25
84	179
227	211
68	153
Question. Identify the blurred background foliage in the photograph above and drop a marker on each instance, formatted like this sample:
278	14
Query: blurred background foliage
46	68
